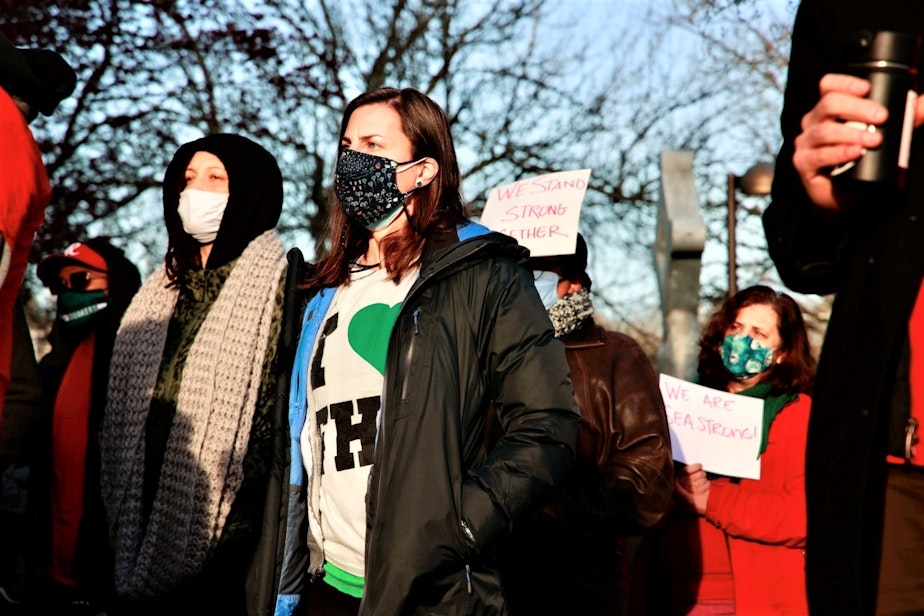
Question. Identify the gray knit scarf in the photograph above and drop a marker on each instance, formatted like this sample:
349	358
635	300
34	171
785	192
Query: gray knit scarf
202	467
568	313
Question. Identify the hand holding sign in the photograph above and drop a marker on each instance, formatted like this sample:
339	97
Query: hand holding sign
718	429
693	486
541	212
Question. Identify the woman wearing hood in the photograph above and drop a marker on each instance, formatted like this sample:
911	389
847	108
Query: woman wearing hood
187	436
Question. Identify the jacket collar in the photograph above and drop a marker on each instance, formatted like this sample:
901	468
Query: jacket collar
588	335
469	241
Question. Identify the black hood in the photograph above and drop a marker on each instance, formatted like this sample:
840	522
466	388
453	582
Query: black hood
254	203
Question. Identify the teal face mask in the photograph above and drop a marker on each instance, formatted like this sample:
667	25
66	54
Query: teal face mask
76	307
744	357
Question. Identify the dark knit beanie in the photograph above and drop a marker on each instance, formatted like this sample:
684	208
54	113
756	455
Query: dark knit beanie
570	266
40	77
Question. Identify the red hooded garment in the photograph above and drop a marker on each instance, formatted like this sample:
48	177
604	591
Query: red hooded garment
24	194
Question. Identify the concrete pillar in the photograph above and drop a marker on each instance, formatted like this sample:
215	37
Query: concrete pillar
678	254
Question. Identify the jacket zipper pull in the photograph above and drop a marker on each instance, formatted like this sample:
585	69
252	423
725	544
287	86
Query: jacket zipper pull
416	321
468	578
911	437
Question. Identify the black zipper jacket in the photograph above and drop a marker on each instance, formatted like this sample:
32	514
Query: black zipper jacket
470	333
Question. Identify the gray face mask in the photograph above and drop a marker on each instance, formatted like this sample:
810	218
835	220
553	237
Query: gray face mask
367	188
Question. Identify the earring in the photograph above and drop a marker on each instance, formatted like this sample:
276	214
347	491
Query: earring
419	183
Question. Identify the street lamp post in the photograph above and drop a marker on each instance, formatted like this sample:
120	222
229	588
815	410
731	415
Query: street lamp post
755	181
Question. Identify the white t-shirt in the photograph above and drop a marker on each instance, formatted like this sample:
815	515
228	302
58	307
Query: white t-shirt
346	377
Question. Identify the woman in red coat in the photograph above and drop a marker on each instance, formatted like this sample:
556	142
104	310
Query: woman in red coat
737	546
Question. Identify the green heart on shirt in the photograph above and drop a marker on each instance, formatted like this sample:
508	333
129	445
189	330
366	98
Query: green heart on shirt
370	330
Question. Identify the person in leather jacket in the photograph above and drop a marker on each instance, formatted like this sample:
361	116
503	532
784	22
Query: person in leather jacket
575	556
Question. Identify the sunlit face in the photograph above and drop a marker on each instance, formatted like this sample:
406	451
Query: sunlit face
760	322
377	129
205	171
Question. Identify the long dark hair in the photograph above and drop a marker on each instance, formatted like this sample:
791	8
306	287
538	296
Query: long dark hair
439	206
795	373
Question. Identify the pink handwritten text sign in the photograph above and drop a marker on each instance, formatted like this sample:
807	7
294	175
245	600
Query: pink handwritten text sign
718	429
540	212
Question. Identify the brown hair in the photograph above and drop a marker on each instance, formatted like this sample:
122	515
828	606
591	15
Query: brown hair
795	373
438	205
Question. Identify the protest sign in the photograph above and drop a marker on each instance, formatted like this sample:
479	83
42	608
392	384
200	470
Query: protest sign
718	429
540	212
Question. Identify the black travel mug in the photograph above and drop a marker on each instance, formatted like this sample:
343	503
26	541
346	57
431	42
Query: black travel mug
890	61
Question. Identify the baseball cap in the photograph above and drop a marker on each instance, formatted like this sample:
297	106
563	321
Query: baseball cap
77	253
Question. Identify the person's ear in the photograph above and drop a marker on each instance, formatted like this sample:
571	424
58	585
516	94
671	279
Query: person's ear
26	109
426	171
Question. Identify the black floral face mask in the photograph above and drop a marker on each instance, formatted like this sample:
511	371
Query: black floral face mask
367	188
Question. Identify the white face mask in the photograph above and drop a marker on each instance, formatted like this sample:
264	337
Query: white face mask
201	212
547	286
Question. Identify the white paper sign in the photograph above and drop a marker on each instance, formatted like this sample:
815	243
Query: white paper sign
718	429
541	212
